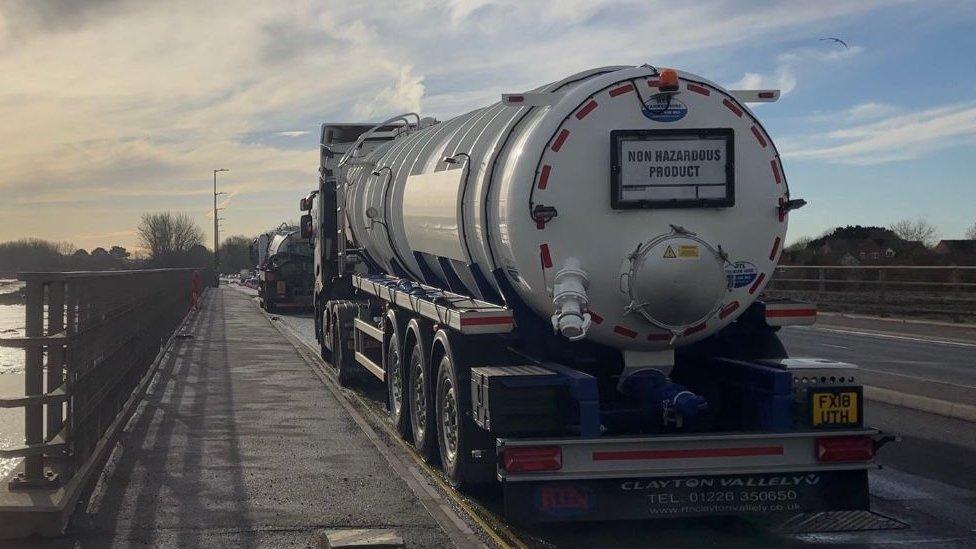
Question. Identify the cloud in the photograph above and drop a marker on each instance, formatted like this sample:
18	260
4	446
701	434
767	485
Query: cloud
862	112
403	95
783	80
784	77
116	105
894	138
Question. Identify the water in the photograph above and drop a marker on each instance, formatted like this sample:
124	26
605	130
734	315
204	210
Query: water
11	376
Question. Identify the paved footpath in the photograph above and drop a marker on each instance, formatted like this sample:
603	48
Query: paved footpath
239	444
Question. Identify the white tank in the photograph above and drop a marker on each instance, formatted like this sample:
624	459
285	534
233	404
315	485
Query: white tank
634	218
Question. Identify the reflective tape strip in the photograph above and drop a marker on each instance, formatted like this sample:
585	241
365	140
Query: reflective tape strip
587	109
560	139
755	285
621	90
628	455
787	313
728	309
626	332
772	253
698	89
732	107
544	176
486	320
546	258
759	136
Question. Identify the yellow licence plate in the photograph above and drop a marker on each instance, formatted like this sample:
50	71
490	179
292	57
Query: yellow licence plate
835	406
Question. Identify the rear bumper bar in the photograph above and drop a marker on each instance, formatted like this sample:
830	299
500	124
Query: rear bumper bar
683	455
629	478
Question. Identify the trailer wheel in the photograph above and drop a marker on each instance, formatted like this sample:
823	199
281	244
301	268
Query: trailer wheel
342	359
325	336
422	407
454	431
396	386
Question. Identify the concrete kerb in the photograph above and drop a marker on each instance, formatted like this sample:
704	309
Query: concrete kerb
930	405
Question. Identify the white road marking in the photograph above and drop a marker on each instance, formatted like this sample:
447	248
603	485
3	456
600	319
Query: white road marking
835	346
918	378
887	336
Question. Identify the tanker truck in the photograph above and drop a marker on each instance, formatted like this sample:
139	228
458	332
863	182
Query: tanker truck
561	292
285	270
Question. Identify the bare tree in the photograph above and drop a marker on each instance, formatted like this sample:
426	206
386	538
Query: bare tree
167	238
186	234
918	230
971	232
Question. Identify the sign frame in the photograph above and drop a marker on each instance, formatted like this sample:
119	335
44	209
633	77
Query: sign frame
617	137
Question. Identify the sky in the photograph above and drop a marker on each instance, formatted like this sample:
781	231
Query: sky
113	108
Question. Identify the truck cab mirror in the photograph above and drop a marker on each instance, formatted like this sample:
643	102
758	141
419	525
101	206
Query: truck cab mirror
303	205
306	225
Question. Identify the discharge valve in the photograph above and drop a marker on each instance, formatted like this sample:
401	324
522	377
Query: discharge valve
570	318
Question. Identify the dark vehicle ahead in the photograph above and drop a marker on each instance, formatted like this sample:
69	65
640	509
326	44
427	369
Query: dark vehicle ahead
286	277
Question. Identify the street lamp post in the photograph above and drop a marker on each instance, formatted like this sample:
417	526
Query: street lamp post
216	230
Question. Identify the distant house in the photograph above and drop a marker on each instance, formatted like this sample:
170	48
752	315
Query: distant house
858	245
960	252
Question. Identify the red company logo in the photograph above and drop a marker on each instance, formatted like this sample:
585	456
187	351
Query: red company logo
562	499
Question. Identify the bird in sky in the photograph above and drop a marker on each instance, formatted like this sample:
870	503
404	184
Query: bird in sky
838	40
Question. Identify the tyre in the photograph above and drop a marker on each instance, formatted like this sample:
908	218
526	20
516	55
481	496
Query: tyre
325	337
342	357
449	421
466	451
422	421
396	385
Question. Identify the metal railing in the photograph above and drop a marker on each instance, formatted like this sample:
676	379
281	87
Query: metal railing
89	339
905	290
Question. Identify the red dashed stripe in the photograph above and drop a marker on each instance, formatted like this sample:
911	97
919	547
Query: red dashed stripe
732	107
597	319
587	109
626	332
757	283
560	139
698	89
728	309
772	253
759	136
654	83
775	168
695	329
621	90
544	176
546	258
659	336
780	210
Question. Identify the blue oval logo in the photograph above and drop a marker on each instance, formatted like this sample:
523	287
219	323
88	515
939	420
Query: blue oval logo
664	108
740	273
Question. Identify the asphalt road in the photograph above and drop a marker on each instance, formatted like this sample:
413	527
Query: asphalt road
905	362
927	481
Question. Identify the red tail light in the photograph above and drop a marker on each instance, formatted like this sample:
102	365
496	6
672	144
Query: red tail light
844	449
532	458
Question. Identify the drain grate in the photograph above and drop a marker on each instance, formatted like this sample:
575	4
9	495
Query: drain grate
838	521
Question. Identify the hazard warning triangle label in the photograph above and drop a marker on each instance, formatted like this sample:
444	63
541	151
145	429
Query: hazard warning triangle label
669	253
